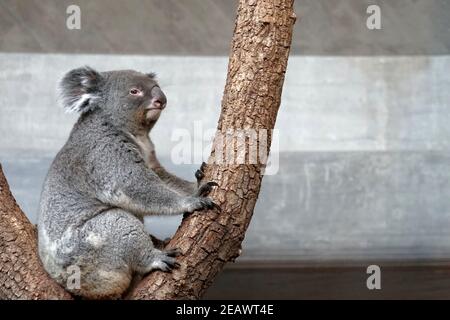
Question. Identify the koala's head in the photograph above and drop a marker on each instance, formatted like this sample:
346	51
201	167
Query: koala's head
127	98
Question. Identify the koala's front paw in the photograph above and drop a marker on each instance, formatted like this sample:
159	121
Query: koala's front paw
205	189
166	260
192	204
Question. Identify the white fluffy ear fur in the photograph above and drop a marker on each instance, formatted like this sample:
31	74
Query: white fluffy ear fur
80	89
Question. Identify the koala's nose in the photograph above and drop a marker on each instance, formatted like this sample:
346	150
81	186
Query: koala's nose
159	99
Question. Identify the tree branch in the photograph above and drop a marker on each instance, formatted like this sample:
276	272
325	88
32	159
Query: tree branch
257	65
21	273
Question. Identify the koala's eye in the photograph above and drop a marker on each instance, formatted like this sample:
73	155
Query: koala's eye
135	92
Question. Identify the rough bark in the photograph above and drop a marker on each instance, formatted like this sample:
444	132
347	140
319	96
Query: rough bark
257	65
21	273
208	240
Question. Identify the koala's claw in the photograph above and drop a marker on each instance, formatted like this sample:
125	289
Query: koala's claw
216	206
166	261
167	267
200	173
173	252
200	203
206	188
208	204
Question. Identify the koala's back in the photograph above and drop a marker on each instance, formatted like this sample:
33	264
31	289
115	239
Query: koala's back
68	200
66	191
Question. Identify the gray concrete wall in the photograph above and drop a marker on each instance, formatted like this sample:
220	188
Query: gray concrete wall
364	149
204	27
329	103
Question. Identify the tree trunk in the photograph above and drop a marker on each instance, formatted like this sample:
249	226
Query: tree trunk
21	273
259	55
256	69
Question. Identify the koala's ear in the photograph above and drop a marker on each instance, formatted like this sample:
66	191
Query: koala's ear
79	89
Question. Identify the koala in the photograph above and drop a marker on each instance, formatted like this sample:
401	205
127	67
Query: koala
105	180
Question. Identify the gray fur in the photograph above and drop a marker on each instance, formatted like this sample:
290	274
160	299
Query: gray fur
103	182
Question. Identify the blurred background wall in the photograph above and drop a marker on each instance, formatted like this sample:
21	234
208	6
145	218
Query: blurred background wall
364	162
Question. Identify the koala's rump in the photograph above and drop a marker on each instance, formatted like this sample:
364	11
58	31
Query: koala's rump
103	250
